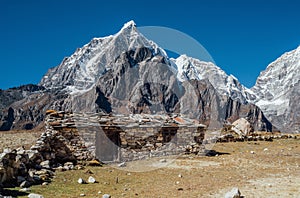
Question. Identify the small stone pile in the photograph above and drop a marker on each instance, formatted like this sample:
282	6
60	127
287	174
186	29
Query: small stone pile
55	149
22	168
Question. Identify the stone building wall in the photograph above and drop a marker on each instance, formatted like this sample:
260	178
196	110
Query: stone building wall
120	138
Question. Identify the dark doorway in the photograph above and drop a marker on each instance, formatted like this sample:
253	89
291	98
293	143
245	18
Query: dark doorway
108	145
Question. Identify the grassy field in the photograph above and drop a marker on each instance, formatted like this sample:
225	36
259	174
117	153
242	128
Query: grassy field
258	169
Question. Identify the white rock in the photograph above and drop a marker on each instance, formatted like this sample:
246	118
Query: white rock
252	152
25	190
25	184
45	164
266	149
91	180
80	181
82	195
123	164
69	166
106	196
234	193
33	195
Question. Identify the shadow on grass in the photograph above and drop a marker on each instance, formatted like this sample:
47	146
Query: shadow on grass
13	193
212	153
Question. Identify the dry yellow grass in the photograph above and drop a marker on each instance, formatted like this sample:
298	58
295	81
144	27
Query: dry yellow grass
259	169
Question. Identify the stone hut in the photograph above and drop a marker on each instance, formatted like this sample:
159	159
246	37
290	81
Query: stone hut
124	137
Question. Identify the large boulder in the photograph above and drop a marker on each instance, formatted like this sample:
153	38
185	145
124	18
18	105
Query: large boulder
242	127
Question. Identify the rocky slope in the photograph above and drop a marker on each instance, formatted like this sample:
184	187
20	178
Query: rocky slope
277	91
127	73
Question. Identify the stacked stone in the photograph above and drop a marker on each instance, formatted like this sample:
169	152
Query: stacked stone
62	138
23	168
256	137
59	146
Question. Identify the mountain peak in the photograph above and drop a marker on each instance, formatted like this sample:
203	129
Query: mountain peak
81	70
129	24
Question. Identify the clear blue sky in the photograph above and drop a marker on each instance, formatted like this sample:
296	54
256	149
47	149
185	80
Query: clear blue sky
242	36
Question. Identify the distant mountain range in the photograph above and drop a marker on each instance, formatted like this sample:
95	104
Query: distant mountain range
127	73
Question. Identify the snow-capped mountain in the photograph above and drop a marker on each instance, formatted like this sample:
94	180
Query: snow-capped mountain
81	70
132	74
278	91
190	68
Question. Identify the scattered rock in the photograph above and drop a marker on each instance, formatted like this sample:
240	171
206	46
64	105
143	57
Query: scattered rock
44	172
266	149
45	164
88	171
25	190
7	150
33	195
234	193
82	195
60	168
123	164
94	163
79	167
106	196
69	166
180	176
81	181
91	180
99	192
25	184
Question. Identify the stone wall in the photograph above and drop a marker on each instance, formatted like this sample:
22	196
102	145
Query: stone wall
121	138
140	142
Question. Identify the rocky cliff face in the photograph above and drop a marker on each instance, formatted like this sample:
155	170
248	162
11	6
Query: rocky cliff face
214	109
141	82
20	107
277	92
127	73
